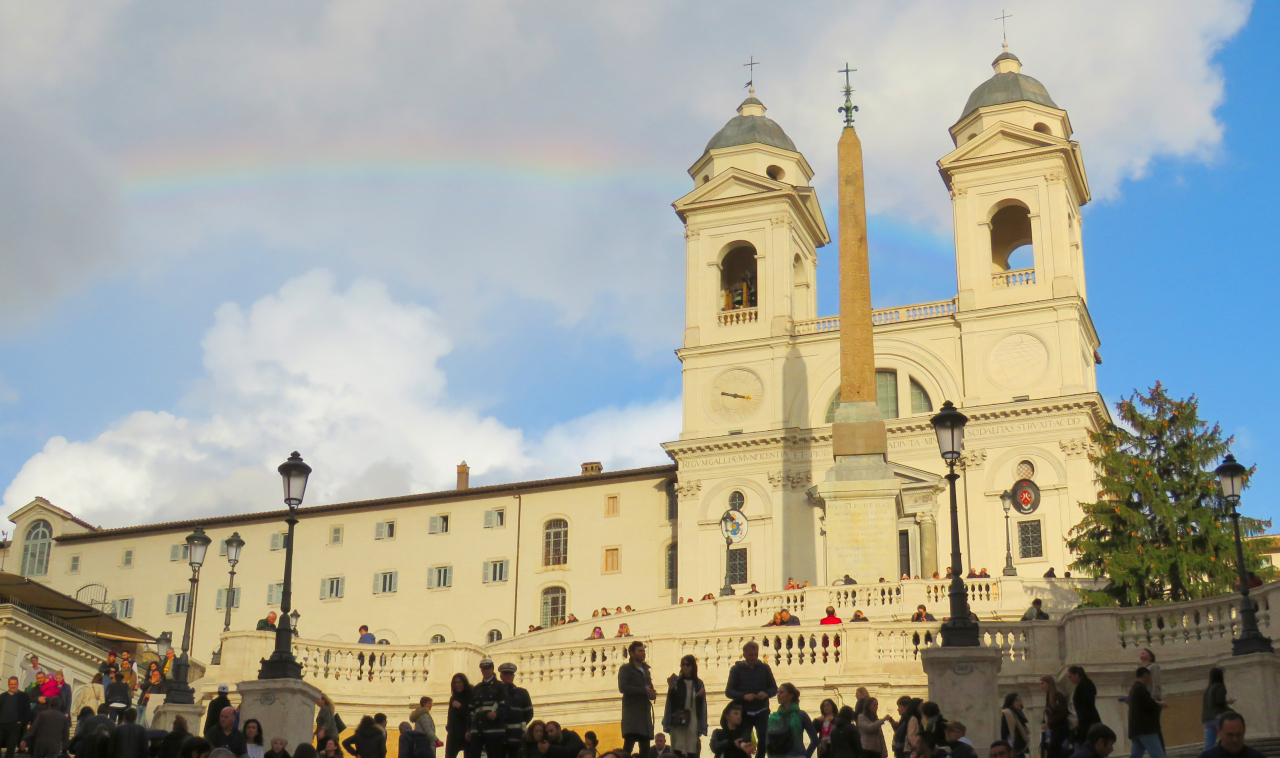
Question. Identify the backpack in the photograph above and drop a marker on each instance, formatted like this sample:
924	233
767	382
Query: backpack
778	735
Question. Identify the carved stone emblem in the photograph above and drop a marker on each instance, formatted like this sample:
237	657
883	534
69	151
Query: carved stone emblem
689	489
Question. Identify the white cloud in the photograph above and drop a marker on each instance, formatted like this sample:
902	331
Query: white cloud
352	380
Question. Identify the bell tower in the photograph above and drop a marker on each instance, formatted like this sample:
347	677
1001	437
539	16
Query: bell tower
1017	183
753	226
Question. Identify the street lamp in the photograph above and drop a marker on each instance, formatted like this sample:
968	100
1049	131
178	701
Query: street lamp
293	618
1006	501
282	664
958	631
1231	477
180	692
234	545
733	525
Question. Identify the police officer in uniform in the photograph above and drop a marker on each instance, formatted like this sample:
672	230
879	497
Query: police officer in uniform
488	715
519	709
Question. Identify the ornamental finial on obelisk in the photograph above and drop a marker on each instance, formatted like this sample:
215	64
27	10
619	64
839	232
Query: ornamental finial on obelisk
848	109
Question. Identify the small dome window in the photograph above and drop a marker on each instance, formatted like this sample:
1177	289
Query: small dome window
776	173
706	178
437	639
970	138
1042	128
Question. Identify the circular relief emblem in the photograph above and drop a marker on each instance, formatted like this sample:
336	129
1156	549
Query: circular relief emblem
1017	361
1026	496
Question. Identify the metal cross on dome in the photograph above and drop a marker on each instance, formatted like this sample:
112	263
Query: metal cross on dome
751	67
1004	27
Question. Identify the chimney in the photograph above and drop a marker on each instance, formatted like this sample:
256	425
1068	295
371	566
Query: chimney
591	467
464	476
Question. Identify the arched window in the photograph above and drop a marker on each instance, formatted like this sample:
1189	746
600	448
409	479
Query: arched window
553	603
886	396
35	549
493	636
1042	128
800	290
920	402
437	639
555	543
738	278
673	565
1010	231
737	500
1025	470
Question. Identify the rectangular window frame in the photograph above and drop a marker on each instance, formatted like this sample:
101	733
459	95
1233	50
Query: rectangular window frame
739	575
127	558
336	535
612	506
1019	557
220	602
385	530
122	607
179	552
333	587
611	559
386	582
495	518
176	603
438	524
496	567
279	541
275	593
440	577
73	564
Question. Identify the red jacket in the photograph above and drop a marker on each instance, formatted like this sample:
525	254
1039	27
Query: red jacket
830	620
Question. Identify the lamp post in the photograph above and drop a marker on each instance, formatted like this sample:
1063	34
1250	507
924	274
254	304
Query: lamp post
180	692
282	664
1231	477
293	618
958	631
733	525
234	545
1006	501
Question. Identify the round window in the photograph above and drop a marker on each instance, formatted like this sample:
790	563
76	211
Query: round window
437	639
493	636
736	500
1026	470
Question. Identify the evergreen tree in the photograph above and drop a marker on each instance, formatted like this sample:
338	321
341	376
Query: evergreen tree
1158	531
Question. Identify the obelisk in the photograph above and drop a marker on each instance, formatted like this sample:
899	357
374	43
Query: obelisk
860	491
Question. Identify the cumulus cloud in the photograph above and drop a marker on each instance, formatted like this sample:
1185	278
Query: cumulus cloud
351	379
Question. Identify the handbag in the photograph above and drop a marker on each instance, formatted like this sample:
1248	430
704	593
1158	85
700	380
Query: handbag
682	717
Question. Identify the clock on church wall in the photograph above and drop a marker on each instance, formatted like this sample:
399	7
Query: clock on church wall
735	395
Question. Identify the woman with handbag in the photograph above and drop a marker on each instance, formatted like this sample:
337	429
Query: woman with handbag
685	715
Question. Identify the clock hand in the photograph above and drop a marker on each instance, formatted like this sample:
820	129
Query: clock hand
732	394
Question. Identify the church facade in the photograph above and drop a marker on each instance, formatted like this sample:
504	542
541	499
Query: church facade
1015	350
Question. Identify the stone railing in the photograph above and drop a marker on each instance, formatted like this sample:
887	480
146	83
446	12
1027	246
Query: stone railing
880	317
1014	278
739	316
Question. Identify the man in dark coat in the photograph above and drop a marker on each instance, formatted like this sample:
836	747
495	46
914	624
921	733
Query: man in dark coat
267	624
1084	697
413	744
49	733
117	696
751	683
1144	717
225	734
15	712
1231	739
89	724
212	715
129	739
638	694
488	715
519	709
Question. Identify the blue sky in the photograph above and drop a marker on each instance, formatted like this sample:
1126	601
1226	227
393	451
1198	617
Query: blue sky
235	236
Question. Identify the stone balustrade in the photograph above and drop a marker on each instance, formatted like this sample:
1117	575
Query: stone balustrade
739	316
880	317
575	680
1014	278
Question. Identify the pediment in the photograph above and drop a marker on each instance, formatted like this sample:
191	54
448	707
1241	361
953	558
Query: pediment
732	183
1000	139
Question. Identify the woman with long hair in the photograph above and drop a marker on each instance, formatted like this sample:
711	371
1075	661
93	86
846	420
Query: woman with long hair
871	725
326	721
330	749
825	724
906	735
1084	697
1055	725
253	738
1216	703
789	725
596	634
534	742
846	740
455	725
684	717
1013	725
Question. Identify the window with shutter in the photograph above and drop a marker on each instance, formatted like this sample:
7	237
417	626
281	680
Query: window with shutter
75	564
438	524
342	586
168	604
222	547
488	571
611	506
127	561
173	552
612	560
431	578
276	540
391	530
448	576
488	519
380	530
335	535
221	602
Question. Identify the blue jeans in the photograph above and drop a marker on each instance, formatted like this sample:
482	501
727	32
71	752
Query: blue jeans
1149	743
1210	734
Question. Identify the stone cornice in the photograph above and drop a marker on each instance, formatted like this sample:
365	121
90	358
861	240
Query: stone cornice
14	618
